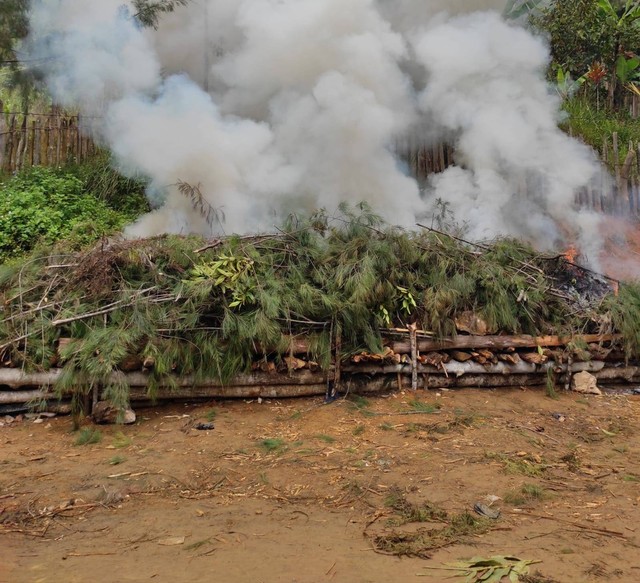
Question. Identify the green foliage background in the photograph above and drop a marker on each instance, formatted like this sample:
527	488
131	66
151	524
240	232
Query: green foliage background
44	205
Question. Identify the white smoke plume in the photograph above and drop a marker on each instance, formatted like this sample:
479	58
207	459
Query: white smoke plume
274	106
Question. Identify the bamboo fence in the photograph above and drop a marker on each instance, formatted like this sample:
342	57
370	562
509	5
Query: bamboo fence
55	138
620	193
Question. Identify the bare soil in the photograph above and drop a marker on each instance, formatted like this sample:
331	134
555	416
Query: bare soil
298	491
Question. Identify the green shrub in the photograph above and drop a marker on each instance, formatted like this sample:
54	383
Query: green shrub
104	182
44	205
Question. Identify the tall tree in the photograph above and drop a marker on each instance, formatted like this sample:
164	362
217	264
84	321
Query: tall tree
13	27
590	35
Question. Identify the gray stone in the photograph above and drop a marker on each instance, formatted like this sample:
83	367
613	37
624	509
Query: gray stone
104	412
585	383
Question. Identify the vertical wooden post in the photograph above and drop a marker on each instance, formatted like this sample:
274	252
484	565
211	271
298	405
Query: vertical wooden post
57	122
37	141
3	136
605	194
414	356
625	174
616	165
22	138
10	143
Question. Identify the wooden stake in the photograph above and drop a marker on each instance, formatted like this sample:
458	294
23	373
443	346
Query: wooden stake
414	356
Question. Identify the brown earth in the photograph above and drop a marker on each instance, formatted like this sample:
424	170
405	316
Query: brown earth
298	491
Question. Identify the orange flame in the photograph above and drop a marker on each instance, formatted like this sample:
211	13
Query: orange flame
570	254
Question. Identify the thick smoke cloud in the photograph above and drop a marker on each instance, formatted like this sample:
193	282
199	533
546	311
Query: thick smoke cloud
274	106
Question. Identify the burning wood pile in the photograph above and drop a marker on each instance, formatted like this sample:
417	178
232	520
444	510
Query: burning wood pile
320	307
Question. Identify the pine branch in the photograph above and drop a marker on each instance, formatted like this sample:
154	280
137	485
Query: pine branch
148	12
210	214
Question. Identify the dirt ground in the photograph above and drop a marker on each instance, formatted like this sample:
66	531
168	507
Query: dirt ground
298	491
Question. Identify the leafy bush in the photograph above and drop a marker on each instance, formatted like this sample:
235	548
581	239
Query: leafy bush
45	205
101	180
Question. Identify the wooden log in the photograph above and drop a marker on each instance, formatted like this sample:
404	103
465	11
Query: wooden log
14	378
300	344
388	383
231	392
11	397
455	368
623	373
498	342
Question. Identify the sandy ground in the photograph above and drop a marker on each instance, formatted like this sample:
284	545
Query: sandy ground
298	491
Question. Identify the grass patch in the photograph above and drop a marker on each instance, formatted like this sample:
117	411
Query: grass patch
461	421
537	578
358	430
386	426
595	125
211	415
408	512
523	466
326	438
88	436
361	404
421	542
272	444
527	494
120	440
422	407
116	460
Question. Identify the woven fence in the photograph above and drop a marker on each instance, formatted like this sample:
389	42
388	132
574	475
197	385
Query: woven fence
55	138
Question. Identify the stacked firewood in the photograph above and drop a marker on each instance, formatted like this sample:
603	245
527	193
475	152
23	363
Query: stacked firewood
461	361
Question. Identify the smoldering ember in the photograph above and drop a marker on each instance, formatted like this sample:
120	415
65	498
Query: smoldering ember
298	213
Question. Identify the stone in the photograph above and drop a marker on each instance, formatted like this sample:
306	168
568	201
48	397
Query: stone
585	383
104	412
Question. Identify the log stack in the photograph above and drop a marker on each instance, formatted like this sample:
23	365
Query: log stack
410	360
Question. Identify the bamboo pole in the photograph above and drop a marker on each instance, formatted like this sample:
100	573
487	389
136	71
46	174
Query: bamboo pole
3	136
616	165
